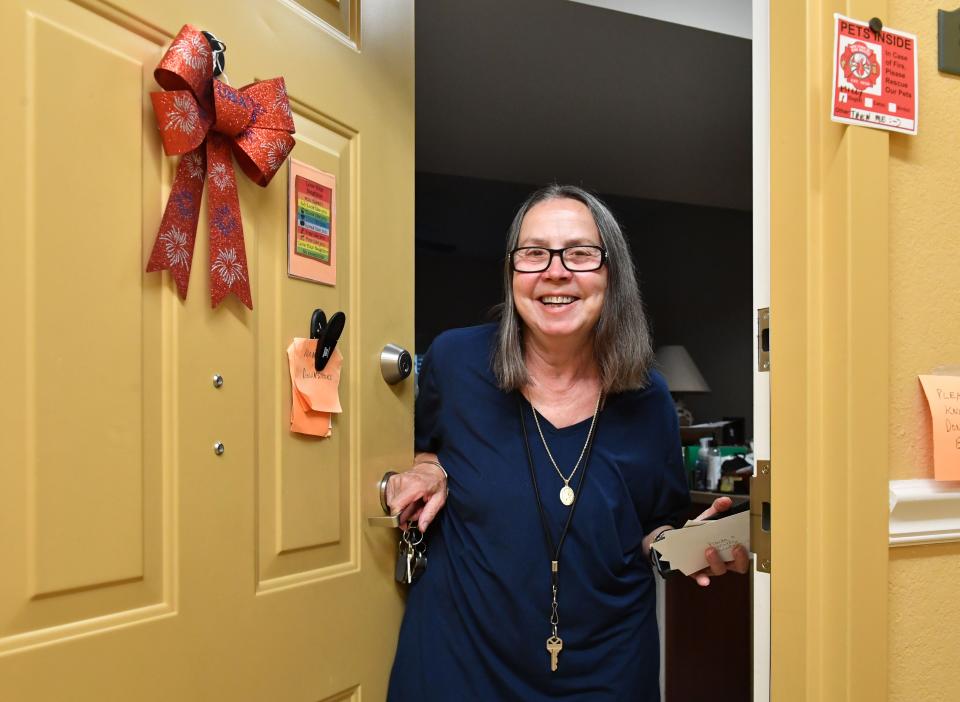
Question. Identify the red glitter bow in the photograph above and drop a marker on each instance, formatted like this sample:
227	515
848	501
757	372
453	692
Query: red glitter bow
204	120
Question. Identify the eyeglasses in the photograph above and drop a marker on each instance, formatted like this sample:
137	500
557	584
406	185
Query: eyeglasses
578	259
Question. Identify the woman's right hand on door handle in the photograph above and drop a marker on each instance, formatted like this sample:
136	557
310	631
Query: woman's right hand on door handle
418	494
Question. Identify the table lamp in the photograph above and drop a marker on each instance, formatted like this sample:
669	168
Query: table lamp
682	375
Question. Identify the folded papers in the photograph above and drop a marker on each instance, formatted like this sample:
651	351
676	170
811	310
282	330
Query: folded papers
684	548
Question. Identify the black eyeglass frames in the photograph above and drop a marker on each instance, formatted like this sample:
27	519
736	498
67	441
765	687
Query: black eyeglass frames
577	259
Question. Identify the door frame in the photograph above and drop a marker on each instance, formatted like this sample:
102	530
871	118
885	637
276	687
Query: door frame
829	372
759	581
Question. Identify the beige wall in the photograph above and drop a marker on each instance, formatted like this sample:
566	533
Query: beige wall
924	611
924	216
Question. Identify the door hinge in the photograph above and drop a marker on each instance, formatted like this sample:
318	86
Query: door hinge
763	340
760	516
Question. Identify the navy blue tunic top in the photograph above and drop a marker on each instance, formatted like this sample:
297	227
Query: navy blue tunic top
477	621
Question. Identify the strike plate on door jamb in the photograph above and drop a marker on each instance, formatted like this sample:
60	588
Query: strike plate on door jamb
760	516
763	340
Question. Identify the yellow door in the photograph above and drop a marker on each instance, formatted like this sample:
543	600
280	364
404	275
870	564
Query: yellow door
136	564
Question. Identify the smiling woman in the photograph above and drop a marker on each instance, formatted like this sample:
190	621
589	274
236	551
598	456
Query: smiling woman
548	461
555	301
621	342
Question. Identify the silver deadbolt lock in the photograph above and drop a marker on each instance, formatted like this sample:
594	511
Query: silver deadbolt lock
395	363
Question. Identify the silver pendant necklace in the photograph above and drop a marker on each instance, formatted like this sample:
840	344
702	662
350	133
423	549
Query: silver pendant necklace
567	495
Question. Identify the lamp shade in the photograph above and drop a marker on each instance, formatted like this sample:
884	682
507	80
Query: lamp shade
679	370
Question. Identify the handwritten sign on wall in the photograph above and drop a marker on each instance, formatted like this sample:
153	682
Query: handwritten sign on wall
943	397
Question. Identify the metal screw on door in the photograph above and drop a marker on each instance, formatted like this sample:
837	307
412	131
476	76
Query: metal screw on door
218	448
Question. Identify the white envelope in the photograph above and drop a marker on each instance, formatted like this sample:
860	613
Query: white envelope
684	548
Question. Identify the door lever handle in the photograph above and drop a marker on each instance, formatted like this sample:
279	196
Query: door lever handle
388	520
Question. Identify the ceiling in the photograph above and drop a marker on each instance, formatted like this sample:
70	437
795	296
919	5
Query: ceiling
536	91
732	17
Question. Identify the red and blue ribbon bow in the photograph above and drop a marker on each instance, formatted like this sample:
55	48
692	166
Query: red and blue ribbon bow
203	120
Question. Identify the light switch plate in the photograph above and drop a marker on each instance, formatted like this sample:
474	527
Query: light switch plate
948	41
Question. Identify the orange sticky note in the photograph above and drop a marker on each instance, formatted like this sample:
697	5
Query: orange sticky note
321	388
943	397
307	422
314	395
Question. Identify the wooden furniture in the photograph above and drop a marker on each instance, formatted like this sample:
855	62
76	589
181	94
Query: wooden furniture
708	630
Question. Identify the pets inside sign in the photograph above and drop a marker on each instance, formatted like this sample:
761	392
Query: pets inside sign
874	77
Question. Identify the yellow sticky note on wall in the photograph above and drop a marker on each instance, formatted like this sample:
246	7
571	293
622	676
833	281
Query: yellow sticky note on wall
943	397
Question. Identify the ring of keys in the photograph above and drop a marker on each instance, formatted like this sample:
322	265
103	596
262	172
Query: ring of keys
412	556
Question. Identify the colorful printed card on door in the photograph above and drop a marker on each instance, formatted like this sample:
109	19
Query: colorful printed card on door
311	236
874	77
314	202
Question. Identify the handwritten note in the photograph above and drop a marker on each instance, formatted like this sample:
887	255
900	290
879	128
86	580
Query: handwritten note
314	394
943	397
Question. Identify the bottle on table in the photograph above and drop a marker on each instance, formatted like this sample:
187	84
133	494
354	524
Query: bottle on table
700	471
714	460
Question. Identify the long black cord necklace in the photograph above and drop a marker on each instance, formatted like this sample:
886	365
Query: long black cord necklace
554	642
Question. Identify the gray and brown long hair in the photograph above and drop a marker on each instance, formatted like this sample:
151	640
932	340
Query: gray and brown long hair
621	341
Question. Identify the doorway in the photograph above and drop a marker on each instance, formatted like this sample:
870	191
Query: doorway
654	116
